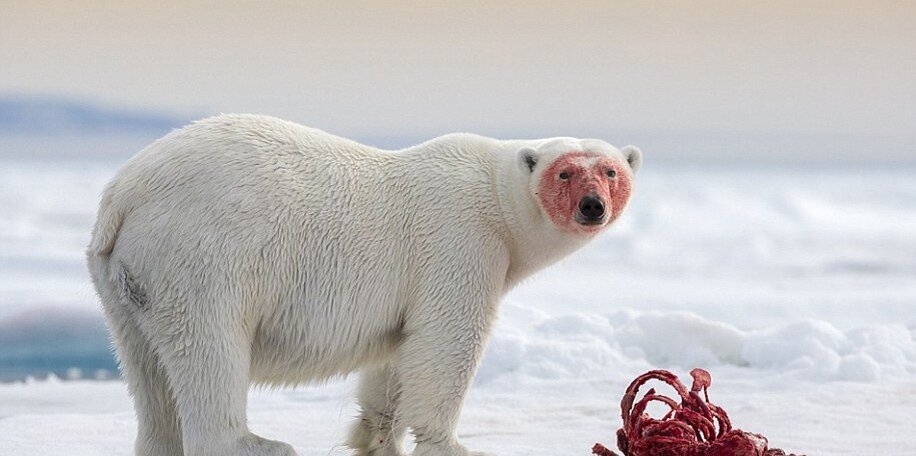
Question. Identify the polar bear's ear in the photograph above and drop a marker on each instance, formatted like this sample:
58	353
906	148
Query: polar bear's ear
527	158
633	156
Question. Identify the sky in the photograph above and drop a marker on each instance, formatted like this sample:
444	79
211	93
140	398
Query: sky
828	77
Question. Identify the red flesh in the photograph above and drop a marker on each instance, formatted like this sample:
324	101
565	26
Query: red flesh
695	427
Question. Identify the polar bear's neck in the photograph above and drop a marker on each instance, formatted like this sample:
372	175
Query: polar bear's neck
533	242
483	173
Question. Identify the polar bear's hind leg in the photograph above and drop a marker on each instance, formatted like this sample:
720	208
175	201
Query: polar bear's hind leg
208	366
158	432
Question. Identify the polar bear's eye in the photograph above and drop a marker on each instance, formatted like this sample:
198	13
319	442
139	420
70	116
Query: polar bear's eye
564	175
611	173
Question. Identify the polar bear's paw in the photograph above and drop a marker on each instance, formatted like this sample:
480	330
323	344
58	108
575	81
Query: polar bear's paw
379	451
448	448
368	442
161	448
253	445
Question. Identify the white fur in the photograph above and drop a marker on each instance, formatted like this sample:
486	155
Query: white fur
245	249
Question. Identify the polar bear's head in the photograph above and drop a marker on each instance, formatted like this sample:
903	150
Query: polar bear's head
580	186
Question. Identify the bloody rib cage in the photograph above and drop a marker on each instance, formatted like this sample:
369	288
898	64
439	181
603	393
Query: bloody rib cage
693	427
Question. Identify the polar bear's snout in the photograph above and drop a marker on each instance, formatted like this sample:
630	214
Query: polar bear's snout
591	210
583	192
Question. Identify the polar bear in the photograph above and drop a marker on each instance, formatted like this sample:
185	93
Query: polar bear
246	249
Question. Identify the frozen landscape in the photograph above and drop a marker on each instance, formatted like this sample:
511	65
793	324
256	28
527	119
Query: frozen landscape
793	284
771	238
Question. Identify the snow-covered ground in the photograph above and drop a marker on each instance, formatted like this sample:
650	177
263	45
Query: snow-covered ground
795	287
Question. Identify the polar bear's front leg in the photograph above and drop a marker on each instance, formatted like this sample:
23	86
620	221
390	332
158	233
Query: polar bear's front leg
436	363
379	430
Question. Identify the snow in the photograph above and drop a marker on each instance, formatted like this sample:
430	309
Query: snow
523	415
792	285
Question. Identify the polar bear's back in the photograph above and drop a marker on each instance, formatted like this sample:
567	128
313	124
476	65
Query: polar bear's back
241	169
258	191
241	147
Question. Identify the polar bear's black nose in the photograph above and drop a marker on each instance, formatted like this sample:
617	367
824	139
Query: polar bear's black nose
592	208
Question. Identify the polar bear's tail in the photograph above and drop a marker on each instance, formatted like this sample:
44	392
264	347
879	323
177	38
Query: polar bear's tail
105	233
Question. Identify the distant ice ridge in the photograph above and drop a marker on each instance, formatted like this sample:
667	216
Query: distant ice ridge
55	341
50	115
590	345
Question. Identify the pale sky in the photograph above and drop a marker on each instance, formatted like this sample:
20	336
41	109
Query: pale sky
377	69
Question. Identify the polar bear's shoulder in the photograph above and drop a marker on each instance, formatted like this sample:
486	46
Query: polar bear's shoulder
455	145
